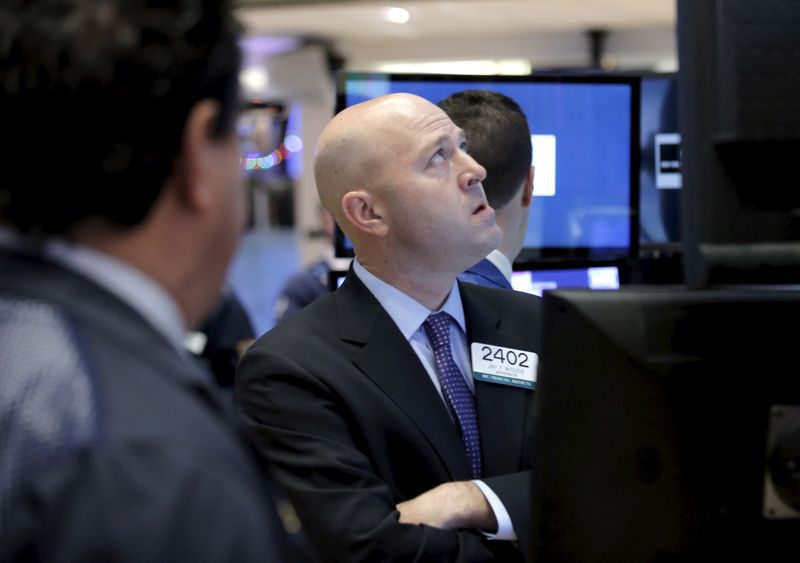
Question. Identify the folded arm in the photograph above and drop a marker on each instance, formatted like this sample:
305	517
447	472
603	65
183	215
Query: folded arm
350	513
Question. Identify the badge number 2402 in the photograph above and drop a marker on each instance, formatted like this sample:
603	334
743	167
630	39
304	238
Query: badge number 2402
505	356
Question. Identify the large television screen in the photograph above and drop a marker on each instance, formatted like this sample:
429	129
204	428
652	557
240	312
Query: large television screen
585	150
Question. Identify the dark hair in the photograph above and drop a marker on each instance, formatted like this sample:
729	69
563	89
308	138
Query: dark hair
94	96
498	137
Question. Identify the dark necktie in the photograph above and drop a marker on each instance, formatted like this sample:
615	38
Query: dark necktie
457	395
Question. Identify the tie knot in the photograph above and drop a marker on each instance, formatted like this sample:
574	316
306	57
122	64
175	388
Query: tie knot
437	327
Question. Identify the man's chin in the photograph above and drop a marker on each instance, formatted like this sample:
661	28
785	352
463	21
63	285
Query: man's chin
477	256
492	240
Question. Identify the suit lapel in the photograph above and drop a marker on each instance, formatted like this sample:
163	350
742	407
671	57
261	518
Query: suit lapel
502	409
390	362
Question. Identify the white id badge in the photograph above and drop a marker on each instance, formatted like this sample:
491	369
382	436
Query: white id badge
506	366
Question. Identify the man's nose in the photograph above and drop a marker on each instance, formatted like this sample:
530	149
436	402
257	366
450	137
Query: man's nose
473	173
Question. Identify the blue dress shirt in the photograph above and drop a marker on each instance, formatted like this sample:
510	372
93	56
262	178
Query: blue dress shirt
409	314
492	271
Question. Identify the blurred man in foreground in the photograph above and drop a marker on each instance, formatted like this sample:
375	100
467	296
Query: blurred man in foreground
120	209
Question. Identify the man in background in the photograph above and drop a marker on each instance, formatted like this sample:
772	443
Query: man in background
313	281
117	228
223	337
368	403
499	138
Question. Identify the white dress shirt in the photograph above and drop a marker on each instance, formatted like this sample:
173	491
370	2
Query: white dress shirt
409	314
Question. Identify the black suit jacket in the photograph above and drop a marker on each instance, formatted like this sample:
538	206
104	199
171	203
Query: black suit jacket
117	446
347	416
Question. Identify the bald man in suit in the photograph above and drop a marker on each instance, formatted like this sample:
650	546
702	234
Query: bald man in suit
391	445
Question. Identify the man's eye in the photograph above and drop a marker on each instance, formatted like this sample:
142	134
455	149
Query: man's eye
438	157
463	146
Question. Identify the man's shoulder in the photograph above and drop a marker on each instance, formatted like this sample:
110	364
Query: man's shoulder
90	380
47	384
326	331
316	319
100	396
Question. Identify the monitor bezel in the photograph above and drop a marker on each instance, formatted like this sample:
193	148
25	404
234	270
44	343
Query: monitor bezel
530	254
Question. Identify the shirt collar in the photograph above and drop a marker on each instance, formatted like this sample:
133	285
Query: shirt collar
408	313
501	262
129	284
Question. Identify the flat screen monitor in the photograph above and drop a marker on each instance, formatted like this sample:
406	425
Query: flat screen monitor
585	149
660	175
668	426
537	281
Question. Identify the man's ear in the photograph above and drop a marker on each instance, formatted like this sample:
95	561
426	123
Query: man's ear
527	188
195	160
359	209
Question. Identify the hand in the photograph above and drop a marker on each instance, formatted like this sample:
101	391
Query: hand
459	504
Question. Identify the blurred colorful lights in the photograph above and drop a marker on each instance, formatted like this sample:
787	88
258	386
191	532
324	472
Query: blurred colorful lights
291	144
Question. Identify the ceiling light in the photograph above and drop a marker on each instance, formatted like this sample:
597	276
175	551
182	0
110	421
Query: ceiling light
396	15
254	80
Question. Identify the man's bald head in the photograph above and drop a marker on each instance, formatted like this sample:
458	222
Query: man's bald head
395	173
354	146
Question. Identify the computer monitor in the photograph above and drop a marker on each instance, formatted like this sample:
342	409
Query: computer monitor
660	182
660	176
585	149
537	279
668	426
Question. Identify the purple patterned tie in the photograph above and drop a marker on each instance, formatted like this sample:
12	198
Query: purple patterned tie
457	395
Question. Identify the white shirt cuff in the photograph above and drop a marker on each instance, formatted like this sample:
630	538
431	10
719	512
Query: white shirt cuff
505	529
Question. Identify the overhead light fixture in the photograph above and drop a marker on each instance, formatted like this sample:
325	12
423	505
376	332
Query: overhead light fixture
396	15
509	67
254	80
